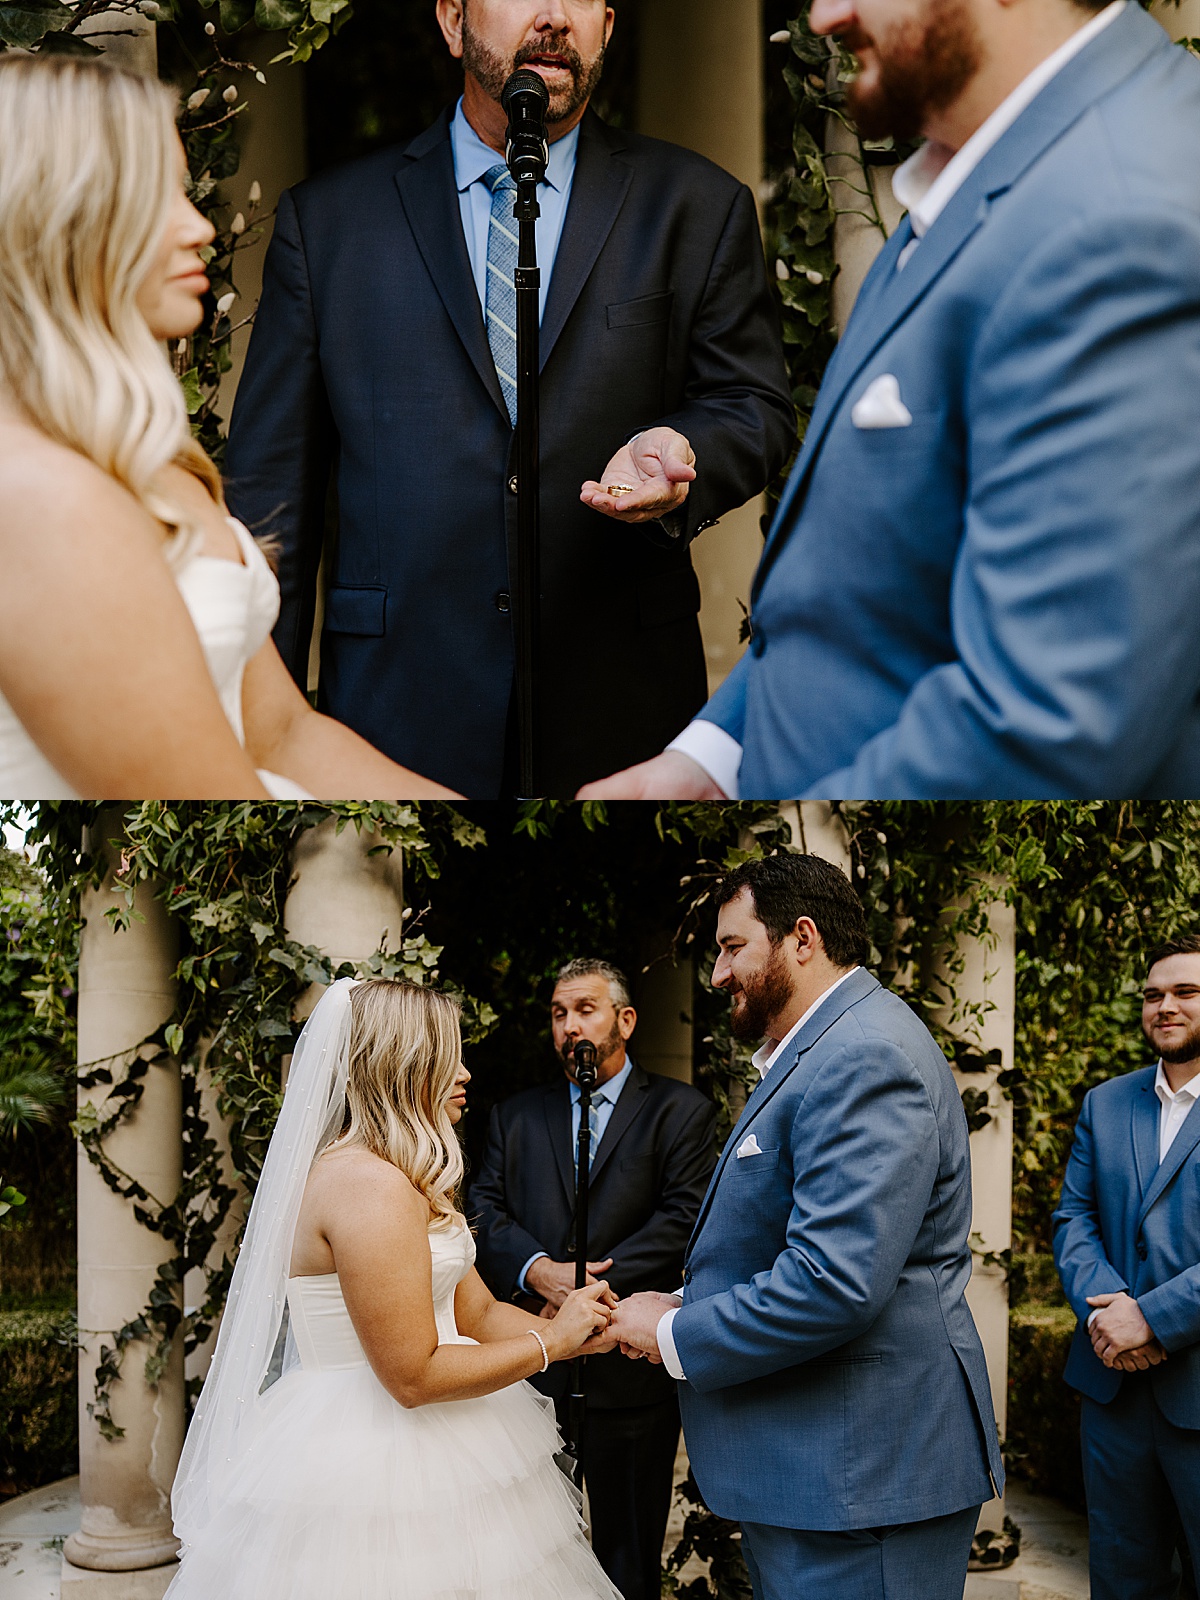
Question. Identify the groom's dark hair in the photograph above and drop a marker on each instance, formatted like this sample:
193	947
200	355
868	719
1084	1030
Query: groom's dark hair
786	887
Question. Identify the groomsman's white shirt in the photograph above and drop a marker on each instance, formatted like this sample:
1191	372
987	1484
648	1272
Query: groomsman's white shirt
764	1059
924	184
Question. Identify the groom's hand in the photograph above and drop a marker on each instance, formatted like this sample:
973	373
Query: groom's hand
635	1323
671	776
656	469
554	1280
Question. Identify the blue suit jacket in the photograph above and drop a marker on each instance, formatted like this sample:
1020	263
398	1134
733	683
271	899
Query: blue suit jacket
1001	599
835	1378
1127	1222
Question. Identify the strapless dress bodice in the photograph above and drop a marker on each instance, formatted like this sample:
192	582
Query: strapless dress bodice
233	605
321	1325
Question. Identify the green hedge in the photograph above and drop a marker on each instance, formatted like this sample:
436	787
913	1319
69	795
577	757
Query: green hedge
39	1400
1043	1414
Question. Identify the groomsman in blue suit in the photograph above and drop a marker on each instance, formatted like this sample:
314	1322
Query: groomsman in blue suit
834	1392
1127	1244
984	577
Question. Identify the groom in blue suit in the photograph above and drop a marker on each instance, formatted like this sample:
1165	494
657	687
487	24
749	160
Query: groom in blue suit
1127	1245
834	1392
984	577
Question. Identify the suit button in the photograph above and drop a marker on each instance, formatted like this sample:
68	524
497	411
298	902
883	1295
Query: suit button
687	1274
503	603
758	644
1142	1250
513	485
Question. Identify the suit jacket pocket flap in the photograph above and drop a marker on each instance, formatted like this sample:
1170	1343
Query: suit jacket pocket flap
756	1161
355	610
650	309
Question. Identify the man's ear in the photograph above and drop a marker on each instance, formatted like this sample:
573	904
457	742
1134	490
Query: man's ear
609	25
450	21
808	940
626	1021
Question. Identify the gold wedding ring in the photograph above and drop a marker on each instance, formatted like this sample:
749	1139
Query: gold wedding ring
616	490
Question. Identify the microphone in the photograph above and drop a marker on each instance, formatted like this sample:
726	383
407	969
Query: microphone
526	100
584	1057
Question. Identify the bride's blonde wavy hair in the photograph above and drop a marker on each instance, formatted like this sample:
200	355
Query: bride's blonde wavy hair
405	1052
87	178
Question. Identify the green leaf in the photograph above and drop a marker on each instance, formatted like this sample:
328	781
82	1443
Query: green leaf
326	10
192	396
174	1038
22	25
235	14
68	44
272	15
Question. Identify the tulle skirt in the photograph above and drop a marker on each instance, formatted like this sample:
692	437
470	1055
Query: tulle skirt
347	1496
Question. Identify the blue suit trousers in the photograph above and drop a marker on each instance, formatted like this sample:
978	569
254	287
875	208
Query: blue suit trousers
1142	1476
915	1561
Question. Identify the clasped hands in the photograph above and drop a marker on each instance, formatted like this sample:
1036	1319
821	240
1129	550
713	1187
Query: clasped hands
646	480
633	1327
1121	1336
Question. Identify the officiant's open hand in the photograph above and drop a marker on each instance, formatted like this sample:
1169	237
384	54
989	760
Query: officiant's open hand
554	1280
646	479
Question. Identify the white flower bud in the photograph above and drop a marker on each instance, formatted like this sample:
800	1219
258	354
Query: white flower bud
814	277
210	29
260	75
181	348
782	272
238	225
256	193
782	37
149	8
230	95
225	303
196	100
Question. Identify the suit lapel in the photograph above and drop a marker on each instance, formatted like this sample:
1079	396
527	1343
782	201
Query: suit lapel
557	1108
1102	64
1184	1143
1145	1132
601	183
631	1103
430	198
856	988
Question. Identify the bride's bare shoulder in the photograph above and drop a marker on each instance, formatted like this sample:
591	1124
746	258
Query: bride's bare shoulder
351	1175
47	488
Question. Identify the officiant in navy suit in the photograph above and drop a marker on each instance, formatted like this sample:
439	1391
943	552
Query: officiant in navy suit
383	355
654	1149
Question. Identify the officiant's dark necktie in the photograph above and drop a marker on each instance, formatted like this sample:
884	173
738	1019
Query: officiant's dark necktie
501	299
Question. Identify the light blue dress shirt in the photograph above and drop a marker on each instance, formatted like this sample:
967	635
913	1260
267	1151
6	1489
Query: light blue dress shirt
472	160
604	1099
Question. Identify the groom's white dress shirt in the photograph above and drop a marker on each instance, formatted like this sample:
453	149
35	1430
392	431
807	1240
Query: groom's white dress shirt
924	184
764	1059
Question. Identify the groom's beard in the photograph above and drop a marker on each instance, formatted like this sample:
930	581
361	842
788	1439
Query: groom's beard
922	66
604	1050
762	998
1185	1048
491	72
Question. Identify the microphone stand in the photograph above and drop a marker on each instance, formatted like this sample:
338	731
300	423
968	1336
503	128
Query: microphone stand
585	1076
526	99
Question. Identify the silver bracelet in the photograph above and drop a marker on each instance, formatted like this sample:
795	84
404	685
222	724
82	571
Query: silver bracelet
534	1334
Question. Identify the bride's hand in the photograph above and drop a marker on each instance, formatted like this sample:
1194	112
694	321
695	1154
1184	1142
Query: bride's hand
582	1315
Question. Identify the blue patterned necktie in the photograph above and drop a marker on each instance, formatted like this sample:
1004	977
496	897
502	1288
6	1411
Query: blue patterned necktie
501	304
594	1126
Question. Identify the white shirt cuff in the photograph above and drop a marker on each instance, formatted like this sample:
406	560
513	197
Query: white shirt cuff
521	1284
716	751
666	1344
1094	1315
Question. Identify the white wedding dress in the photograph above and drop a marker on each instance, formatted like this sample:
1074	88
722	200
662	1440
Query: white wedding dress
345	1495
234	606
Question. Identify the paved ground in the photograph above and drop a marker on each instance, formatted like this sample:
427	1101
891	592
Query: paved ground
1052	1565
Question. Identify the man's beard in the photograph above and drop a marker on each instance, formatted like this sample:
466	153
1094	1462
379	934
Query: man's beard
492	73
923	66
1188	1048
606	1048
762	998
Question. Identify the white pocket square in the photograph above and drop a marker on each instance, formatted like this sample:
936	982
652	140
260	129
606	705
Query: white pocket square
881	406
749	1147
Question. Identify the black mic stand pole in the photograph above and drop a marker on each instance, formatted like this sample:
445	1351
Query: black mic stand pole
526	99
584	1056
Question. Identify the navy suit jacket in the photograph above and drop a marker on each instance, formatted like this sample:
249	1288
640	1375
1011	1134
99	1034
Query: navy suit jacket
1000	598
647	1180
1127	1222
834	1374
370	361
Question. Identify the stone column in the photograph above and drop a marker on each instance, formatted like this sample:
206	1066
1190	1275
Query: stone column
125	994
195	1282
701	85
128	38
345	901
662	1041
988	982
818	830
